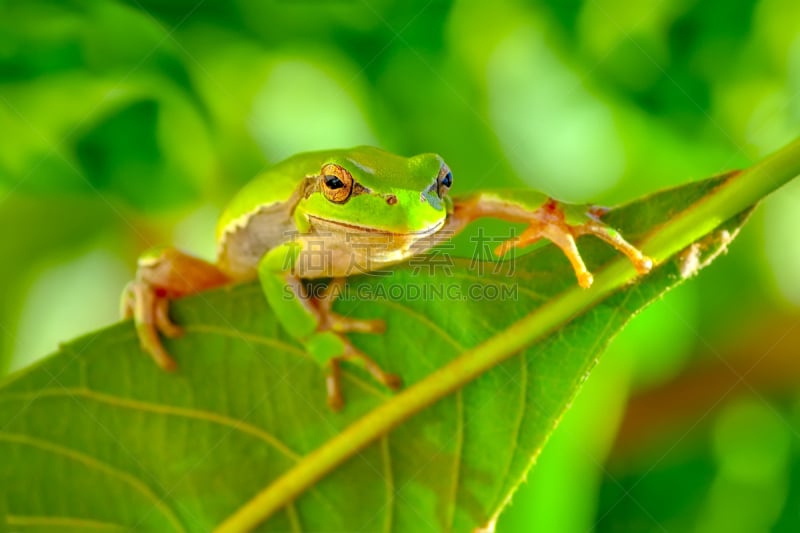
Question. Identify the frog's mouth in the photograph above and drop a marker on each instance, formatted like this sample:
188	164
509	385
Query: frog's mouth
324	224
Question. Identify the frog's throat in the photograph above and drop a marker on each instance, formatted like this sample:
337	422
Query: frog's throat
324	224
353	249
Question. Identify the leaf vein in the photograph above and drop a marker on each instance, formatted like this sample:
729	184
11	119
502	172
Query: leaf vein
457	458
183	412
95	464
60	522
501	500
389	478
260	339
483	281
425	320
294	518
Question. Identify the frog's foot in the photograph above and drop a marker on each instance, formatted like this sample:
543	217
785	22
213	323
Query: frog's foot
163	275
329	320
149	312
551	222
336	325
353	354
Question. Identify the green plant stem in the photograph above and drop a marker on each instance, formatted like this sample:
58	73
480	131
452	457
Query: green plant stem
732	197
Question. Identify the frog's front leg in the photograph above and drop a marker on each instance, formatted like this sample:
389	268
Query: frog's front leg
555	221
163	274
312	321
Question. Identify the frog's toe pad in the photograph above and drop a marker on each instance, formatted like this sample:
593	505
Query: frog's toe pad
393	381
641	262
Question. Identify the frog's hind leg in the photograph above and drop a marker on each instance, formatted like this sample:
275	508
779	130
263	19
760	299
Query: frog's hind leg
161	276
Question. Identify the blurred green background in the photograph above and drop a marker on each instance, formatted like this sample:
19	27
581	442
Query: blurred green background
129	124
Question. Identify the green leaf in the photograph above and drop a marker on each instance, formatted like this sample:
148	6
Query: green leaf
96	436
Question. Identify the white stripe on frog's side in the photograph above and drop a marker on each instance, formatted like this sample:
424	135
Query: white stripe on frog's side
247	238
252	235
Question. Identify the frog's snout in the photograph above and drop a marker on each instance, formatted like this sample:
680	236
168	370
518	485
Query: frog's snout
391	199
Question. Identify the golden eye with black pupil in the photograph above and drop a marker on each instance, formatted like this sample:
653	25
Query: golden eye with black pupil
332	182
337	183
444	181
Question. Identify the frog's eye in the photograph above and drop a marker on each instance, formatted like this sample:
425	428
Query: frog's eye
444	181
337	183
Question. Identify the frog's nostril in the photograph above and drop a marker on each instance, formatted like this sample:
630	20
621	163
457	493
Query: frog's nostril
391	199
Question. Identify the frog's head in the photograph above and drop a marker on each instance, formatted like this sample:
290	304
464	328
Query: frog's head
366	189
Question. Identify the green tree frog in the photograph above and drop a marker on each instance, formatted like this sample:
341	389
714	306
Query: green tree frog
340	201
